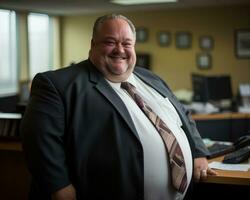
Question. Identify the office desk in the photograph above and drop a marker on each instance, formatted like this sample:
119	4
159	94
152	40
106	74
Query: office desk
226	185
223	126
10	145
229	177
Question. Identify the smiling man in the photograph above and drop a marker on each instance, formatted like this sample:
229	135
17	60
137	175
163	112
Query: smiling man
105	129
112	48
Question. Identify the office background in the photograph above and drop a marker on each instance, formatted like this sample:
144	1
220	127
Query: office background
71	43
173	64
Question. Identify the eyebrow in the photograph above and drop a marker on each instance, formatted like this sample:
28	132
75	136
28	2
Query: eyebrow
113	38
109	38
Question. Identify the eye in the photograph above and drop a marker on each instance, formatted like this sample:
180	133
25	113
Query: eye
109	43
127	44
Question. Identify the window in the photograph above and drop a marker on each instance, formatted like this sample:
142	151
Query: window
40	44
8	55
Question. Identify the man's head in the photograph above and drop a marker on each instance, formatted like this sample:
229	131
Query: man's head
112	47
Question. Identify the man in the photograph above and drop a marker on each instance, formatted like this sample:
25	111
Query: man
85	138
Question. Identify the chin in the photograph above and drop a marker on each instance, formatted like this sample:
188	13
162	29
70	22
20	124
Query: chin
119	76
119	70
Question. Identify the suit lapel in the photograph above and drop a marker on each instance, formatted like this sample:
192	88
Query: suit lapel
107	91
154	83
164	91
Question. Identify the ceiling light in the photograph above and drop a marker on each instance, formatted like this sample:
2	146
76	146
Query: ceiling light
134	2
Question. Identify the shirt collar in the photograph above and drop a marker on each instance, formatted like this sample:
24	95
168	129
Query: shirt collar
131	79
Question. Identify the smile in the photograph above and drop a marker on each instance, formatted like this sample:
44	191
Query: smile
118	57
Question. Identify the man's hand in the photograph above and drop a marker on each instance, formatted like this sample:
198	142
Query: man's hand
201	169
66	193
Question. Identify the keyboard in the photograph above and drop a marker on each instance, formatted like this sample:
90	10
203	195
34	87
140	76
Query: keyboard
219	149
237	156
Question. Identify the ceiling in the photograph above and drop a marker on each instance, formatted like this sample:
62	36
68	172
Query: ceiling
76	7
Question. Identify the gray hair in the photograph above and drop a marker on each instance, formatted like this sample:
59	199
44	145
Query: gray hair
102	19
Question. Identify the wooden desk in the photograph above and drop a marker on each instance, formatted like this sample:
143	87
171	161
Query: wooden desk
10	145
229	177
218	116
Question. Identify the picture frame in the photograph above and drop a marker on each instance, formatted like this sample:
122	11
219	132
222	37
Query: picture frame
242	43
204	60
141	34
206	42
183	39
143	60
164	38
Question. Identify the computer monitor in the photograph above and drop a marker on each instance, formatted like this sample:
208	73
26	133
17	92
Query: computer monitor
8	103
211	88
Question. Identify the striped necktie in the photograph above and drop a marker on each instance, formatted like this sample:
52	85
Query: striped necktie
177	164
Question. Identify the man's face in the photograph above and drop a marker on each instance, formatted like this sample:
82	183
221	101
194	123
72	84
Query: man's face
112	50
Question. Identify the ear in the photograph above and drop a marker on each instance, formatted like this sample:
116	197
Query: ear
92	43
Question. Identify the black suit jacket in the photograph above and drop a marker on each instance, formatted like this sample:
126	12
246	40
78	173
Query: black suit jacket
76	130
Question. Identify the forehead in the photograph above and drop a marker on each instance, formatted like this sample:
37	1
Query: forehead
114	27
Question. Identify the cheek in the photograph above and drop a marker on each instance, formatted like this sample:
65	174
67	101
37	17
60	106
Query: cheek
106	50
132	55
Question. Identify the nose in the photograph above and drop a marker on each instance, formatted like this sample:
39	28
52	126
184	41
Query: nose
119	48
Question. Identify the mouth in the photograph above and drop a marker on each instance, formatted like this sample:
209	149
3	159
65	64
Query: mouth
118	57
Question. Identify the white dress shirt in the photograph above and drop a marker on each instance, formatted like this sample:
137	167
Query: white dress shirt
157	177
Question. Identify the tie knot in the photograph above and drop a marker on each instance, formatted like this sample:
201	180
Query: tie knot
127	86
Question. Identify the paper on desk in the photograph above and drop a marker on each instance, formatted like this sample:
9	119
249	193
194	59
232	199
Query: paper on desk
10	115
233	167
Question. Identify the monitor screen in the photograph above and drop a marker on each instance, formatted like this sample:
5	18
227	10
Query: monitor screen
8	104
211	88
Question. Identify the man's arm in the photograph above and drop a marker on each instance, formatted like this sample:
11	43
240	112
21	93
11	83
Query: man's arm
66	193
42	130
201	168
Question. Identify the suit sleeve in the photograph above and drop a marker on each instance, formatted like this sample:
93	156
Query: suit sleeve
200	149
42	130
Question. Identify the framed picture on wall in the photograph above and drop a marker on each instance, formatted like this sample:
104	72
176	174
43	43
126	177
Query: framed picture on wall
183	39
143	60
206	42
204	60
164	38
242	43
141	34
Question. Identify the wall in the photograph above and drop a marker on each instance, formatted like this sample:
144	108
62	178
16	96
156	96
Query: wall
172	64
23	45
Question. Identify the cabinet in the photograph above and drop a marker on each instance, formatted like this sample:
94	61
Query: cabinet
15	178
224	126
